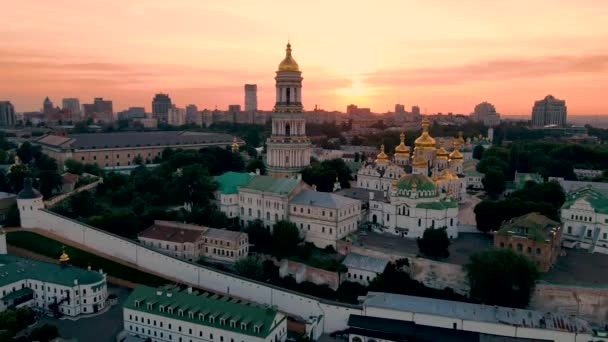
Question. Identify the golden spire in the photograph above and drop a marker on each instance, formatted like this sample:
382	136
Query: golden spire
442	153
456	155
425	141
460	138
401	150
288	63
381	157
235	145
64	256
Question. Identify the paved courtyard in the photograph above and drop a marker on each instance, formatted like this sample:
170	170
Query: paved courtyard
579	267
102	328
460	249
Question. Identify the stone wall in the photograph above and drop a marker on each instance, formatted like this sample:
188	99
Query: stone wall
586	302
61	197
302	272
439	275
334	315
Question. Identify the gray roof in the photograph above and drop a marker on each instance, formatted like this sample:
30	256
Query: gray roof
135	139
361	194
477	312
323	199
364	263
222	234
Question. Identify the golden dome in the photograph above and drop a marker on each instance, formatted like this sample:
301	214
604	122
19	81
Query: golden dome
288	63
235	145
419	161
402	150
456	155
442	153
64	256
460	139
381	157
425	140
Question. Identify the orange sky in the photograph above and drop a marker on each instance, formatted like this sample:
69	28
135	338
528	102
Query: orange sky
442	55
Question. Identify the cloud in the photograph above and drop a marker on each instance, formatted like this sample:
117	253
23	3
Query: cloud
493	70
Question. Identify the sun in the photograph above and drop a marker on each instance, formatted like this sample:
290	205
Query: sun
356	90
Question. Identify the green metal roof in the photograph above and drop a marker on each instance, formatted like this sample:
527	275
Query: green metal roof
534	226
219	307
281	186
438	205
422	182
14	268
17	294
596	198
230	181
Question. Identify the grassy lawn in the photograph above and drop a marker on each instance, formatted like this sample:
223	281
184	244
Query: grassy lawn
48	247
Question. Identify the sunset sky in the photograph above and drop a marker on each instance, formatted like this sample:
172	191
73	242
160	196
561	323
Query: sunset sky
443	55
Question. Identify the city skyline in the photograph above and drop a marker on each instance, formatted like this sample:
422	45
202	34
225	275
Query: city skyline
440	56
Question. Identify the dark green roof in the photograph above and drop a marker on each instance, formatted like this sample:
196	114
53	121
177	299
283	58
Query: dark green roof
230	181
208	304
533	226
16	268
438	205
596	198
281	186
422	182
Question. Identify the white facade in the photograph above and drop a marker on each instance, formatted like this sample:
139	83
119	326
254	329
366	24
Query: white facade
587	174
585	220
410	210
324	218
266	206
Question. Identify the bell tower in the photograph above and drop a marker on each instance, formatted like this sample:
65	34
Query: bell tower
288	148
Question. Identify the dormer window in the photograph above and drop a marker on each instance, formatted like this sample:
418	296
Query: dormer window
136	303
243	326
190	314
161	308
211	319
201	316
170	310
150	305
222	321
180	313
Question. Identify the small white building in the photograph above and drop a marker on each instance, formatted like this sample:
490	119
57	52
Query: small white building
324	218
174	315
587	174
585	220
51	288
227	194
363	269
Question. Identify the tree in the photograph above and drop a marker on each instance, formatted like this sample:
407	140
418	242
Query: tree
73	166
15	176
501	277
193	186
26	152
45	333
357	157
478	152
434	243
285	238
324	174
494	182
82	204
256	164
49	181
259	236
138	160
138	205
250	267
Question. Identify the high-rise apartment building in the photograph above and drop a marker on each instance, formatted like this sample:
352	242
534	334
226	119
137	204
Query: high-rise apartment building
73	105
191	113
99	110
251	97
176	116
549	111
486	112
47	106
161	103
7	114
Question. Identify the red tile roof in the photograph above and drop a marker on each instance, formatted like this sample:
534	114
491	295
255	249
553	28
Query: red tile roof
171	234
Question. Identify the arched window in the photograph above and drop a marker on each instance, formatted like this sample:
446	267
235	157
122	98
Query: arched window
287	129
287	95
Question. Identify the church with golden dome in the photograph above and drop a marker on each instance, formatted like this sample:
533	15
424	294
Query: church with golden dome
421	186
288	147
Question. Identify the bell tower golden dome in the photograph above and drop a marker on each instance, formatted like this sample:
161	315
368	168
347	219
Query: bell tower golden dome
288	63
402	149
425	141
382	157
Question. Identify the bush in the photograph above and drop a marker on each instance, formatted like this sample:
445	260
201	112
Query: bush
44	333
434	243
